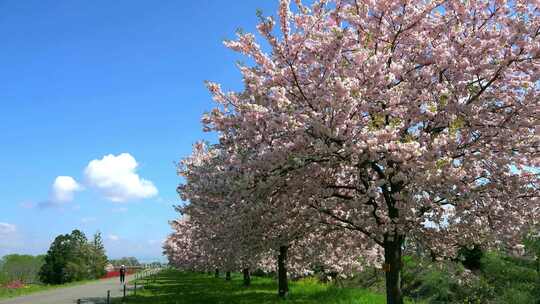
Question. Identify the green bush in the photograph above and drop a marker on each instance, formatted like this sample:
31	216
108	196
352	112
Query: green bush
500	279
497	279
511	279
438	285
371	277
517	296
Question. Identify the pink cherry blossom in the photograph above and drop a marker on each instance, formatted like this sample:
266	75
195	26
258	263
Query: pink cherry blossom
368	123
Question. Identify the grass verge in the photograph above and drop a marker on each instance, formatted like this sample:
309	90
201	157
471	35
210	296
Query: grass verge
6	293
172	286
15	292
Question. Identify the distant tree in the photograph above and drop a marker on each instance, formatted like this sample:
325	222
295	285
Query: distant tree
155	264
126	261
97	256
78	265
52	272
72	258
24	268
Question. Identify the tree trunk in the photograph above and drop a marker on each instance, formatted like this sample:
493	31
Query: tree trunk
216	274
283	285
247	277
392	268
227	276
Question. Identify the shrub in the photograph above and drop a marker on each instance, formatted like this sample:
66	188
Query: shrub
511	279
498	279
442	282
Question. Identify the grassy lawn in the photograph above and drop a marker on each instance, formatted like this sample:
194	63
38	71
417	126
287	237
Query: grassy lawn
31	288
171	286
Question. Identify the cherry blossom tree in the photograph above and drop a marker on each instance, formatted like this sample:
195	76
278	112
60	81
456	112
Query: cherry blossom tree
393	119
224	223
203	226
237	230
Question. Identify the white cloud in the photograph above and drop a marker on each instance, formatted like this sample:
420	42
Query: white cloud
63	189
115	176
7	229
113	237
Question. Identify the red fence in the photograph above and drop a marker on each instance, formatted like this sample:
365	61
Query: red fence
116	272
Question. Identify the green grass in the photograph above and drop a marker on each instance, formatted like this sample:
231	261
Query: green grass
172	286
15	292
32	288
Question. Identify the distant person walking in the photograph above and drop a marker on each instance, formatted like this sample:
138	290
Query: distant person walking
122	274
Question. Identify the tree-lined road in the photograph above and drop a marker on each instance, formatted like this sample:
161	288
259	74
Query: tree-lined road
94	292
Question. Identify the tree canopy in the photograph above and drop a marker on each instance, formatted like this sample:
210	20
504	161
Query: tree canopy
71	257
363	124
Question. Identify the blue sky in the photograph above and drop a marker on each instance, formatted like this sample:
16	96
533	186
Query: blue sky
81	80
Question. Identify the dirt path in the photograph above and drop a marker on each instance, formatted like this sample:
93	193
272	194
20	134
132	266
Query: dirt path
94	292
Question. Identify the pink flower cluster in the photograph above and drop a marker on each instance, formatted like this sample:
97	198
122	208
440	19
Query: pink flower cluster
15	284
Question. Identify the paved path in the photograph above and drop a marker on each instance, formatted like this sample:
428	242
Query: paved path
94	292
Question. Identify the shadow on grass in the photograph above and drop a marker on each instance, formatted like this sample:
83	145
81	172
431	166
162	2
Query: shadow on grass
176	287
